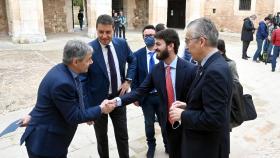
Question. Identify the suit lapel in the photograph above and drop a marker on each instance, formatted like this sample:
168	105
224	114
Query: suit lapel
179	78
144	60
99	58
118	51
161	77
197	78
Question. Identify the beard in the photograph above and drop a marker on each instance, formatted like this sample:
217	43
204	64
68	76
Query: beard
163	55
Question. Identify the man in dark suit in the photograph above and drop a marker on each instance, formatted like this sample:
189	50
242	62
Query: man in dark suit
172	78
205	117
106	79
247	32
146	59
60	107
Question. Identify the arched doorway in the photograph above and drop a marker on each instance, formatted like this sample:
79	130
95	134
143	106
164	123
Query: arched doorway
176	13
3	18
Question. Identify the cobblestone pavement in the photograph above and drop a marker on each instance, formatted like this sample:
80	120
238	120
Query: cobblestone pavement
23	66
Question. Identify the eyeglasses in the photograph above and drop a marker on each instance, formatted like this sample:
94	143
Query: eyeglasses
188	40
176	124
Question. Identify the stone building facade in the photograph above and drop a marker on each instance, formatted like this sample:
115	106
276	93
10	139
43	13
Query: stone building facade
28	21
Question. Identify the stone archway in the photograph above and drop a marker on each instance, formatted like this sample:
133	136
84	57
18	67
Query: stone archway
3	18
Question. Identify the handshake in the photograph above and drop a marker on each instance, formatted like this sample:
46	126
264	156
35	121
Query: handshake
108	105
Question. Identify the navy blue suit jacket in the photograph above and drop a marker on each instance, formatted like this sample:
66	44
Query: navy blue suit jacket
97	77
185	73
206	118
56	114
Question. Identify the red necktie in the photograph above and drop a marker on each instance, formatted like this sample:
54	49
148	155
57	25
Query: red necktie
170	90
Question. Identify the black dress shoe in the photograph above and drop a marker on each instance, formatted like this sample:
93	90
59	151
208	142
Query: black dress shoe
245	58
150	153
248	57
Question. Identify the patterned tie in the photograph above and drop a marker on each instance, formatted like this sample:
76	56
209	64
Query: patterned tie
80	92
170	90
113	72
152	61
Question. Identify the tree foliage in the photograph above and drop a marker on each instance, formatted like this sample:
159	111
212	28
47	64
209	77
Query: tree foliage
78	3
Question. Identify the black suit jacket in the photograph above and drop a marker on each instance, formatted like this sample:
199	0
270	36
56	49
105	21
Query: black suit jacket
185	73
206	119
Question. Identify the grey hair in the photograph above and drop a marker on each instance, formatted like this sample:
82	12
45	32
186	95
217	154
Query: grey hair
205	28
75	49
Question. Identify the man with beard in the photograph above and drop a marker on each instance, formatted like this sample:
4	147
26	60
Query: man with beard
146	59
172	78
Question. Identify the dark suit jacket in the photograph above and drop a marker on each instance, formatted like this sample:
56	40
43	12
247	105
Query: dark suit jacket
141	69
185	73
97	78
56	114
206	119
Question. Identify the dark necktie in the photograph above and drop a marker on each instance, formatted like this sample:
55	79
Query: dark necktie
170	90
113	72
152	61
197	77
80	92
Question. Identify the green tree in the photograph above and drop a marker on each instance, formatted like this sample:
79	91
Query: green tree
78	3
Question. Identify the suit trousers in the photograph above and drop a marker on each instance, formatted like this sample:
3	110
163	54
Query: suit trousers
245	48
150	106
32	155
119	120
174	137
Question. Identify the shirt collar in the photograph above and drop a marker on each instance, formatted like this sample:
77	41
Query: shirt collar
173	63
148	51
204	60
74	74
104	46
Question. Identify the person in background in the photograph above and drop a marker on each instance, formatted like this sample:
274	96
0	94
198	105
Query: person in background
275	39
116	24
160	27
232	65
81	19
247	32
262	34
60	107
122	25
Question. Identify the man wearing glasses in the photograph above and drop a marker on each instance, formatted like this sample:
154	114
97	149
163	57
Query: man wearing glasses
172	78
205	115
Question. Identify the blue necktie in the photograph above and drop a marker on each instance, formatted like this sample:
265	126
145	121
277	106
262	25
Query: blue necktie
80	92
113	72
152	61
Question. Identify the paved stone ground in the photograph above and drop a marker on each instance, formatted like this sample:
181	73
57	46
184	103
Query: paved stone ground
23	66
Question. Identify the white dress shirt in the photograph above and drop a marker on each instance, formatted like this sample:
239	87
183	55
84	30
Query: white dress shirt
116	61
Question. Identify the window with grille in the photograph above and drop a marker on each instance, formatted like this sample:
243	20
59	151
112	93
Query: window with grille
244	4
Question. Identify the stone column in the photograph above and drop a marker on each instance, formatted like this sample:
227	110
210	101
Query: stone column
158	11
94	9
276	6
129	7
194	10
26	21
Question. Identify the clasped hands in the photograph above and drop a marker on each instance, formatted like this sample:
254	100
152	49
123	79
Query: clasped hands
176	110
108	106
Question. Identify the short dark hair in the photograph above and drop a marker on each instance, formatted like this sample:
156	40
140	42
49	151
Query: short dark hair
105	20
160	27
221	45
169	36
148	27
266	18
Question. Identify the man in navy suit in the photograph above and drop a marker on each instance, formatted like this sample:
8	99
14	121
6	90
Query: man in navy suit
205	117
106	79
146	59
172	78
60	107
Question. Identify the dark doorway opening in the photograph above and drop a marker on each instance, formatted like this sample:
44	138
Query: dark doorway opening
117	5
176	13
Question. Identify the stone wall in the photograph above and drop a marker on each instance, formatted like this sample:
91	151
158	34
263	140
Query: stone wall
54	16
229	19
140	14
3	18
